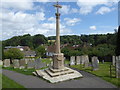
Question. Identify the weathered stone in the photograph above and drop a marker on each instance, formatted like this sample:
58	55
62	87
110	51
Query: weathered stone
58	75
72	60
58	72
95	64
16	63
39	64
58	61
86	61
31	64
22	63
117	66
113	60
82	59
6	62
26	60
1	62
77	60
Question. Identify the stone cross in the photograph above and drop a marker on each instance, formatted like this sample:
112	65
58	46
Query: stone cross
58	57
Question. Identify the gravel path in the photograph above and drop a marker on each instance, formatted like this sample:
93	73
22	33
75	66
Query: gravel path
88	81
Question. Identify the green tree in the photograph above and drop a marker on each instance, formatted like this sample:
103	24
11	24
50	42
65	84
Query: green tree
13	53
40	51
27	40
39	39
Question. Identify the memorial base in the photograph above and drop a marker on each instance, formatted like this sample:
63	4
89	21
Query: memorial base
58	75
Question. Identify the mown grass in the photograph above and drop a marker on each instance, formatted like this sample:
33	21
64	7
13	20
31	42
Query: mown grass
46	60
8	83
23	71
103	72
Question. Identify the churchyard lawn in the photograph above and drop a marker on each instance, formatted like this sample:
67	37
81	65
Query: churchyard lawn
103	72
8	83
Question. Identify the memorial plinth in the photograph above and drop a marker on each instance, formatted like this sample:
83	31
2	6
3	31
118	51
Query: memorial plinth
58	72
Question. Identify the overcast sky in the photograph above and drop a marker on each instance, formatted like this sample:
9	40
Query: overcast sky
78	17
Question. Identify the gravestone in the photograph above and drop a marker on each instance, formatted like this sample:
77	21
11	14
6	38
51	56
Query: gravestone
1	62
26	60
16	63
31	64
82	59
77	60
39	64
98	60
95	64
86	61
117	66
33	59
113	60
22	63
6	62
103	61
72	60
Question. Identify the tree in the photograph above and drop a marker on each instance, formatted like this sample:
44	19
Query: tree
117	51
40	51
27	40
39	39
13	53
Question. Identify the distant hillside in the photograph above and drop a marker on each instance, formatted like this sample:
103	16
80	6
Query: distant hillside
36	40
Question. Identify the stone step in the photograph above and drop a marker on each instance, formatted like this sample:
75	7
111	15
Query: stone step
39	73
59	73
58	70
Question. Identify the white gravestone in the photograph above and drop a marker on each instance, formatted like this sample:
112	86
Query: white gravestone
72	60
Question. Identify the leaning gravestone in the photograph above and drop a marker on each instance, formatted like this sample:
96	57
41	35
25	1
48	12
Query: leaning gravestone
113	60
72	60
6	62
22	63
117	66
77	60
95	64
39	64
16	63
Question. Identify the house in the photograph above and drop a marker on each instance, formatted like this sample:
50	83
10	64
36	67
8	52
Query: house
21	48
25	49
29	53
50	50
